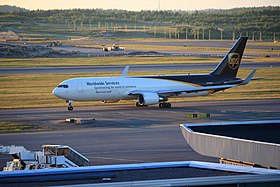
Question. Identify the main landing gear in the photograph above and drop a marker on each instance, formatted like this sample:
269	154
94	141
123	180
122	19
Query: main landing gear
161	105
164	105
139	105
69	106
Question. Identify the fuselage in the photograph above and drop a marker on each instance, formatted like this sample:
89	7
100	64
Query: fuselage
118	88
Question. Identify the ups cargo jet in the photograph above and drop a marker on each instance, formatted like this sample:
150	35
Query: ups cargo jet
151	90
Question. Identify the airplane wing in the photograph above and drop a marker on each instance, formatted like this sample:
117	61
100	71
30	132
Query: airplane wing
178	91
196	89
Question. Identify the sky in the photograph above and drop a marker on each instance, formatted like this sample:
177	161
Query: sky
139	4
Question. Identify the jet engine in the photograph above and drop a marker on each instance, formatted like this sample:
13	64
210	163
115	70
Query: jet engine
150	99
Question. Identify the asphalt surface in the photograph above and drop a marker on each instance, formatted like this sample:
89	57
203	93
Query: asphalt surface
182	42
135	68
126	134
205	43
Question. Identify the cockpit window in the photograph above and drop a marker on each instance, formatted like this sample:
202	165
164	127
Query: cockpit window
63	86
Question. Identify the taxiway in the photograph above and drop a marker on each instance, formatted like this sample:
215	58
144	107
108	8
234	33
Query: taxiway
135	68
126	134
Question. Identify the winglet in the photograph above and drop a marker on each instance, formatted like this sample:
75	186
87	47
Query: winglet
248	79
125	71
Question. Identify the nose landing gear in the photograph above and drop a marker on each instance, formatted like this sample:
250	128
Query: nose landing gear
69	106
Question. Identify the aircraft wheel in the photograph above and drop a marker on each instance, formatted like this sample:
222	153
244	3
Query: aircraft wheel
168	105
70	108
164	105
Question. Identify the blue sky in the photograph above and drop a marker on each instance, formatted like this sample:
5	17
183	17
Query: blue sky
139	4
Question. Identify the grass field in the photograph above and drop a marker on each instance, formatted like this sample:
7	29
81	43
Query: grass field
34	90
6	127
192	49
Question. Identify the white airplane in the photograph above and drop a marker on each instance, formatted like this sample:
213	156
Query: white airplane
151	90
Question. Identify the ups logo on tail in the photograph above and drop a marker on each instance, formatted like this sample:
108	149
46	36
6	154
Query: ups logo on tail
233	60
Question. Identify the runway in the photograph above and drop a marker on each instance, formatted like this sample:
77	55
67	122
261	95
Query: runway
135	68
126	134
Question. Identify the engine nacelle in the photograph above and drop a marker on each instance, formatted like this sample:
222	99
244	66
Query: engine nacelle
150	98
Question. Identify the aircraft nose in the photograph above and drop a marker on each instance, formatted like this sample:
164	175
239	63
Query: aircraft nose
54	92
59	93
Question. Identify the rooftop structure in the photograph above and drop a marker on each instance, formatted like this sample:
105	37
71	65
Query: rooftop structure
254	142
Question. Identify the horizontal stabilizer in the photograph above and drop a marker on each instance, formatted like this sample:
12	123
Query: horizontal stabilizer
248	79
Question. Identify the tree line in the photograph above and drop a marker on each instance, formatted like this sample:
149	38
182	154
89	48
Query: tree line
265	19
